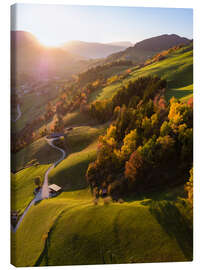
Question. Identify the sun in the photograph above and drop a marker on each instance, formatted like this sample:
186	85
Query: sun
48	41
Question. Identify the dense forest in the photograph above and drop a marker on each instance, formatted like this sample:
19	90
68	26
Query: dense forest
149	144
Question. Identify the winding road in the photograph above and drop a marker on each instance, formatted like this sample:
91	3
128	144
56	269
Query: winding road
44	191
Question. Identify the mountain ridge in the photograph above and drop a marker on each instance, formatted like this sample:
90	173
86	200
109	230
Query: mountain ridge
146	48
29	55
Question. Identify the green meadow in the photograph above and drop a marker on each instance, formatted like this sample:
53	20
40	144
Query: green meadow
74	231
22	186
177	69
39	150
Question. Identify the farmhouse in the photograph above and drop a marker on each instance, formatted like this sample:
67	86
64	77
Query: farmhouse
54	189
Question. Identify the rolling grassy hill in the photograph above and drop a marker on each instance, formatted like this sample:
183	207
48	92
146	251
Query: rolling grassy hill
70	173
177	69
74	231
22	186
82	142
39	150
33	106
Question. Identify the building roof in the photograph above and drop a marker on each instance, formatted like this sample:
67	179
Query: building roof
54	187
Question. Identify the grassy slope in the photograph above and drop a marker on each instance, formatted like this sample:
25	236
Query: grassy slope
115	70
33	106
39	150
22	186
74	231
82	141
81	136
70	173
177	69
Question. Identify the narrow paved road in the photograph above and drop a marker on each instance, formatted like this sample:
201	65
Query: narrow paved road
45	189
37	198
44	192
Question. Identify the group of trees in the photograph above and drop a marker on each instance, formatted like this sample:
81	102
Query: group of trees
100	72
147	146
28	134
57	123
76	97
162	55
49	112
130	94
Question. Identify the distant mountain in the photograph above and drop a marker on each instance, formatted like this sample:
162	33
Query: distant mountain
148	48
121	43
28	55
162	42
91	49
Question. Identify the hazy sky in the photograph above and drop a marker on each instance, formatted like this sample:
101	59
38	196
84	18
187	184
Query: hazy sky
55	24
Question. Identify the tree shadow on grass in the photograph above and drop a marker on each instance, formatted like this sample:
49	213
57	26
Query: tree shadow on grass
174	224
170	193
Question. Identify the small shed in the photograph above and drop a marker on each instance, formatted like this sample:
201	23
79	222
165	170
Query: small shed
54	189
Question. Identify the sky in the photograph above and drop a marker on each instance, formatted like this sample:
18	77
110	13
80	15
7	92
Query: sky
57	24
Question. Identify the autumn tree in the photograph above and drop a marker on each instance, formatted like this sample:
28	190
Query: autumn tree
130	144
134	168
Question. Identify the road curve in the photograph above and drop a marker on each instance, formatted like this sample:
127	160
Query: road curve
44	192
